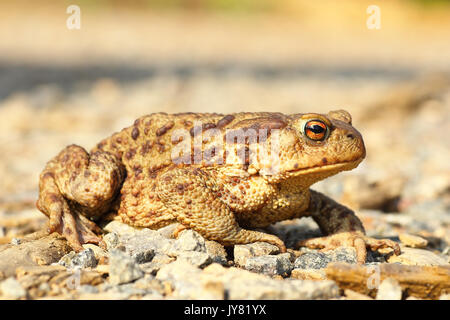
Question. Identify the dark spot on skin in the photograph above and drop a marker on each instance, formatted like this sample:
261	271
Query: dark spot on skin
208	126
77	164
48	175
146	130
178	140
101	145
65	158
135	133
87	173
169	125
137	121
224	121
351	136
188	201
295	165
188	123
130	153
119	140
54	197
68	231
87	189
146	147
324	160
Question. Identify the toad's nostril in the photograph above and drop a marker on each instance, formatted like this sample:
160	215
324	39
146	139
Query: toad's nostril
351	136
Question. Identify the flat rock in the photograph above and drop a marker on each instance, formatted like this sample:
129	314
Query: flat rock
418	257
412	241
42	251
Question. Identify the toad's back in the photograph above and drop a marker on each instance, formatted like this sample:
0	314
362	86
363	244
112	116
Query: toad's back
148	143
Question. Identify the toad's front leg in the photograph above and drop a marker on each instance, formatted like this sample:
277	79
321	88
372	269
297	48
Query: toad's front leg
75	185
342	227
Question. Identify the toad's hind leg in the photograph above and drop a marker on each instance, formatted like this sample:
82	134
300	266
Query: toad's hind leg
75	185
189	194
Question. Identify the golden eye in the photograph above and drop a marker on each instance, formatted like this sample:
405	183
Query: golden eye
316	130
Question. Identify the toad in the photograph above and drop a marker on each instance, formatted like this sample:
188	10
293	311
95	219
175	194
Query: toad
221	175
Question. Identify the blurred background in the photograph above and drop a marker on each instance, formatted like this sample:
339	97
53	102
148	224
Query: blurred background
129	58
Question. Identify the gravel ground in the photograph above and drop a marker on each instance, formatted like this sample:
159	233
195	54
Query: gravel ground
91	84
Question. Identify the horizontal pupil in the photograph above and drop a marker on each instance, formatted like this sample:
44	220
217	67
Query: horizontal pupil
316	128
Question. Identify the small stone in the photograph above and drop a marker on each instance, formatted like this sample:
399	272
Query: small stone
413	241
167	231
353	295
308	274
190	240
12	289
319	260
216	251
119	228
389	289
145	243
417	257
312	260
123	268
198	259
270	265
86	288
242	284
111	240
85	259
244	251
156	263
16	241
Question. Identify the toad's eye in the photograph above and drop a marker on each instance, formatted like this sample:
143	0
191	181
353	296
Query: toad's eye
316	130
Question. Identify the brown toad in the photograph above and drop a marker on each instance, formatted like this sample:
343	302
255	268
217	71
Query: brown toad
216	174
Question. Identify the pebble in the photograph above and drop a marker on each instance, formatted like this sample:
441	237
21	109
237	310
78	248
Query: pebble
308	274
244	251
389	289
198	259
123	268
270	264
12	289
111	240
83	259
417	257
319	260
412	241
190	240
216	251
16	241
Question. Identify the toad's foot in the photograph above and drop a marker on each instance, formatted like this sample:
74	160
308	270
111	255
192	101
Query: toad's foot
357	240
74	185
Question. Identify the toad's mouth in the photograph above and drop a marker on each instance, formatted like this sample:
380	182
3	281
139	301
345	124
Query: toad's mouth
330	168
